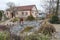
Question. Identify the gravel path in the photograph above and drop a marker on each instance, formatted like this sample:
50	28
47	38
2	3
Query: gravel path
57	35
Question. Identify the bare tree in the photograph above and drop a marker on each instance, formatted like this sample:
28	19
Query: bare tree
11	6
54	6
57	7
48	5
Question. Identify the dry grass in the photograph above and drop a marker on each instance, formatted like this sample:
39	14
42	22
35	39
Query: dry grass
15	19
47	28
26	29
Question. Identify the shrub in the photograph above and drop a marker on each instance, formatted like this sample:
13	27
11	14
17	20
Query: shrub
54	19
0	15
41	18
27	29
36	37
15	37
30	18
4	36
15	19
47	28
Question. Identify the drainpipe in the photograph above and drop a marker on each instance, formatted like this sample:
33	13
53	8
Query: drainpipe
36	17
2	16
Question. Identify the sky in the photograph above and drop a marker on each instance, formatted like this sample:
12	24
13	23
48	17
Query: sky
38	3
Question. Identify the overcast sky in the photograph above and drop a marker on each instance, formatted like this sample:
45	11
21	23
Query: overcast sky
38	3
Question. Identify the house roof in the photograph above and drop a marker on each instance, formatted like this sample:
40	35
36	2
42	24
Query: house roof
28	7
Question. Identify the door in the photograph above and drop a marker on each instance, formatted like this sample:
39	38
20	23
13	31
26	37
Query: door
13	15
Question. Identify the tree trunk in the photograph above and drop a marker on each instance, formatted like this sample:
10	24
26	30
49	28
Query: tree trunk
57	8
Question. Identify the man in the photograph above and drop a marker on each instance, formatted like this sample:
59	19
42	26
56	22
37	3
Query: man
21	20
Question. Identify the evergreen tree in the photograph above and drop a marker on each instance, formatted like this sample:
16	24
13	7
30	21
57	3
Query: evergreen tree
0	15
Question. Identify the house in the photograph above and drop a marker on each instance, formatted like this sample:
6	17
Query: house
24	11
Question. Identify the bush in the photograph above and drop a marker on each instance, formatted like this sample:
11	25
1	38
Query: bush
30	18
58	22
36	37
47	28
27	29
0	15
15	19
4	36
54	19
5	18
41	18
15	37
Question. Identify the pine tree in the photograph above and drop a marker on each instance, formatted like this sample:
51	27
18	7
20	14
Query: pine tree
0	15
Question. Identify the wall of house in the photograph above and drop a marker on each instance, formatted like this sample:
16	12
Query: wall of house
8	14
19	14
34	11
25	14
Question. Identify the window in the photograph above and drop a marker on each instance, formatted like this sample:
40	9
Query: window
32	11
26	13
35	13
7	13
22	13
40	13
